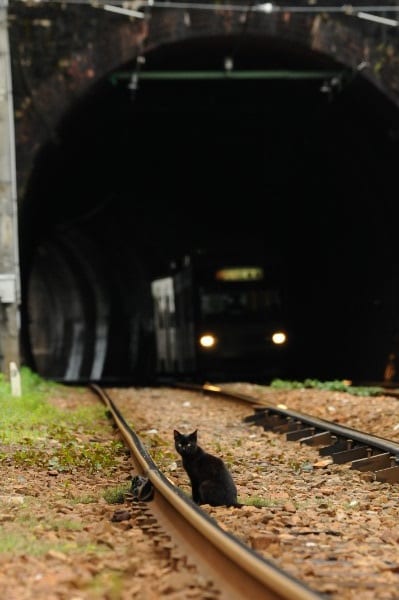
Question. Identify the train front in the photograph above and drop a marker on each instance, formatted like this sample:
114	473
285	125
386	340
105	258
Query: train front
241	330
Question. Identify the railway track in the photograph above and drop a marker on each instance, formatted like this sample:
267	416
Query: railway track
340	444
239	573
344	445
364	451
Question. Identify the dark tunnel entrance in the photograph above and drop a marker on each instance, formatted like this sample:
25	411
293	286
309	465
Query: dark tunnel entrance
131	180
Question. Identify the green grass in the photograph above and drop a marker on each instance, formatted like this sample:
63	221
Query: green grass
110	581
27	533
116	495
256	501
28	544
86	499
332	386
34	432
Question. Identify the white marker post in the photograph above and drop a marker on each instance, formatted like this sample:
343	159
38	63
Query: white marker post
15	379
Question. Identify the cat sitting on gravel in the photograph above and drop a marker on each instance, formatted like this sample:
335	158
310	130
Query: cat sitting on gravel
211	481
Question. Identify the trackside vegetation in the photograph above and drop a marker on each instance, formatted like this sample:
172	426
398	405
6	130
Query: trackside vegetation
37	432
52	433
331	386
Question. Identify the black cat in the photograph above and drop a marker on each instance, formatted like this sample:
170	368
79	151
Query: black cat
211	481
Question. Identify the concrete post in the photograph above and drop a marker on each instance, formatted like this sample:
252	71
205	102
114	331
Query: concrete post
10	288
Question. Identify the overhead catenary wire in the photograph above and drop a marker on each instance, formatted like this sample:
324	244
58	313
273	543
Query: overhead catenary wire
119	7
269	7
265	7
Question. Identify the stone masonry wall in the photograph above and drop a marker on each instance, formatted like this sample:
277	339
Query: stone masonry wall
59	51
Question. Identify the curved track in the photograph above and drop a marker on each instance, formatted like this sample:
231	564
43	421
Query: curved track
238	572
365	452
343	444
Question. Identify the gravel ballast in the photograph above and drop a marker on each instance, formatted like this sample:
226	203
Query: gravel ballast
335	528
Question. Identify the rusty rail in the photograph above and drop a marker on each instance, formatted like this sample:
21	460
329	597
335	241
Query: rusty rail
239	572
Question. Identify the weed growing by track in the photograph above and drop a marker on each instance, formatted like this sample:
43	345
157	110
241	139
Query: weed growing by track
331	386
117	494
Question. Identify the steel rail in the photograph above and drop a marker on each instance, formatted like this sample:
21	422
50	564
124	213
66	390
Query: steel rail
319	424
240	572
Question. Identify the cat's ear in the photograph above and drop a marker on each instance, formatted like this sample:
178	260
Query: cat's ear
175	433
194	434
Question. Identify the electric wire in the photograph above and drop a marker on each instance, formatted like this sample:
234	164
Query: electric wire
267	7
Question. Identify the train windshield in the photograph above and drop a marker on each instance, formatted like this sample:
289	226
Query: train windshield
239	302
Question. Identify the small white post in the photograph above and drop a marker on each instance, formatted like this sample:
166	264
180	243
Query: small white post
15	379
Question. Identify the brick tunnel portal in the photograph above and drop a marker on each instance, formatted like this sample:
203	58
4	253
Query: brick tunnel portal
132	179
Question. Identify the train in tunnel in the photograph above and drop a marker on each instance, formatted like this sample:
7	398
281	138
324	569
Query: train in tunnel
220	317
86	312
213	315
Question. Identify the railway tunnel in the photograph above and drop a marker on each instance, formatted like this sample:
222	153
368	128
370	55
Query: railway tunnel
138	169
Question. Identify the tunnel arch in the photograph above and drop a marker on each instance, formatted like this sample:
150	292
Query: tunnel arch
112	190
46	85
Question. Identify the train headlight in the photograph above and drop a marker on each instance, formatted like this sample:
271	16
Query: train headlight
207	341
279	338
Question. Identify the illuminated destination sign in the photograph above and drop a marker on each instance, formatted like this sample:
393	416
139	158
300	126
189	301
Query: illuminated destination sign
239	274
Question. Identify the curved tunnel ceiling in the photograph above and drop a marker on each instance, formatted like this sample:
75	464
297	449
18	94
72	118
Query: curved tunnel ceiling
132	180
